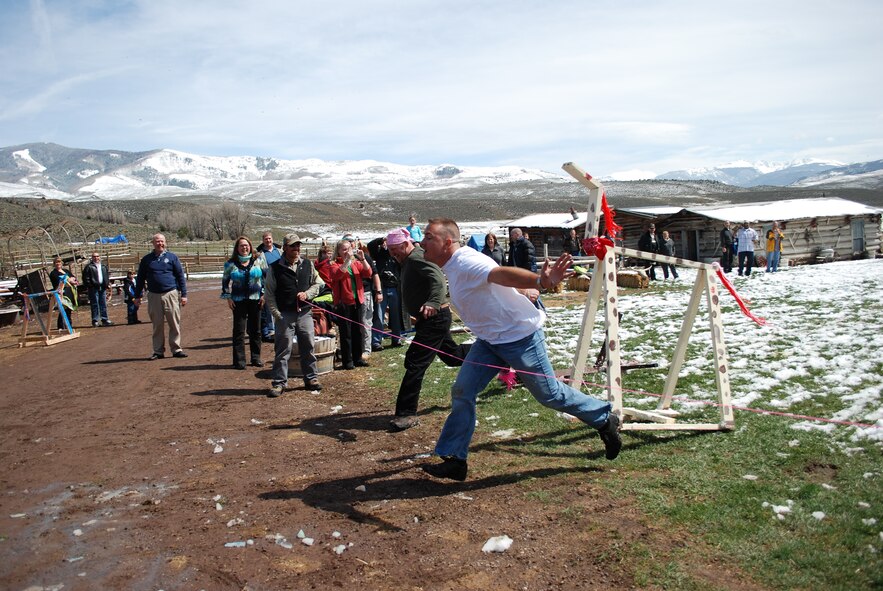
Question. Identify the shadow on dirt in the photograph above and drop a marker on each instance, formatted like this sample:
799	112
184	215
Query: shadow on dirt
340	495
340	426
121	360
213	346
207	367
232	392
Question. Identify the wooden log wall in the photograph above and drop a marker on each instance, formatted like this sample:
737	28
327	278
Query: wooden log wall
804	238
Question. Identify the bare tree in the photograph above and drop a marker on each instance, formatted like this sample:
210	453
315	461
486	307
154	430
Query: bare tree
215	219
235	219
198	223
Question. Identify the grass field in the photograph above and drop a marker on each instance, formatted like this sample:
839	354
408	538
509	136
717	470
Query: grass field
792	502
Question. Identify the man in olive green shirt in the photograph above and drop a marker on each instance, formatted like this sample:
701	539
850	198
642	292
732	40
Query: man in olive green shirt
424	292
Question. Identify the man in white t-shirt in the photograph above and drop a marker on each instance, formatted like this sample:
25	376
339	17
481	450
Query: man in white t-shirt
746	238
508	331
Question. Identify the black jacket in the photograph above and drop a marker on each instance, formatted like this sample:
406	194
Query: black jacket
90	277
522	254
387	267
727	239
648	242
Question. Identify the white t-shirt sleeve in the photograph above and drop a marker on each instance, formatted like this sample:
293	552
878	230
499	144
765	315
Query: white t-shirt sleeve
492	312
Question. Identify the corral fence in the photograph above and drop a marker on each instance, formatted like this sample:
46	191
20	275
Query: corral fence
21	256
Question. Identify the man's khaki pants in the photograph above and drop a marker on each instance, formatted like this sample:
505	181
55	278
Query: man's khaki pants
162	306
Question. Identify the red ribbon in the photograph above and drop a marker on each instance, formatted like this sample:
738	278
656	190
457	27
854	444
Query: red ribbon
726	282
596	246
612	228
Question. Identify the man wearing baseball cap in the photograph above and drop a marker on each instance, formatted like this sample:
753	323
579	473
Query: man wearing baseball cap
292	282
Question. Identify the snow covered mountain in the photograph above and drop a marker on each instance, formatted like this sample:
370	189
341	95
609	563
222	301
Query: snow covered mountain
747	174
865	175
59	172
56	171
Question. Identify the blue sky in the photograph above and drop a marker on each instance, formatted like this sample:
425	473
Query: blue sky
641	86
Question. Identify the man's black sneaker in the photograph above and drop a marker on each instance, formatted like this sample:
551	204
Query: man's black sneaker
450	468
156	356
180	354
107	322
376	348
360	363
609	433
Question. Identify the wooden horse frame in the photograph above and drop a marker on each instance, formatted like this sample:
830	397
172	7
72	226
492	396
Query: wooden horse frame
45	337
604	285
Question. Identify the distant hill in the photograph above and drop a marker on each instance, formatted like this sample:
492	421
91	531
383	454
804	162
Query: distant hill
800	173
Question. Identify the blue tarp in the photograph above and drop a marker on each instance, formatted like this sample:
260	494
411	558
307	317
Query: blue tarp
476	241
118	239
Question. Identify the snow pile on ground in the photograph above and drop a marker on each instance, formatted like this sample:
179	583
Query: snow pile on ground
822	343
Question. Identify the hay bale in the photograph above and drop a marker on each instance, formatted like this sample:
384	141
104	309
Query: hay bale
634	279
579	283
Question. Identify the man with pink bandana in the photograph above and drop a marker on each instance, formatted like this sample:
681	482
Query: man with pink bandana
424	292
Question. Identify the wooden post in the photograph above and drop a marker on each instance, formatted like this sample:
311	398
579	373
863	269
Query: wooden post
611	317
578	368
604	282
721	367
593	220
680	352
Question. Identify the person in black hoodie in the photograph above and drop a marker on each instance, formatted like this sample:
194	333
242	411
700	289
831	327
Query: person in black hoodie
727	240
129	297
389	271
648	242
521	251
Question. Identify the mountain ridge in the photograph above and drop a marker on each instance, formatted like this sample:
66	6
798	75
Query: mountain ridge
798	173
77	174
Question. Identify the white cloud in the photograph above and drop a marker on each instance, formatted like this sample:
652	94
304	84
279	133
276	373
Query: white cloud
645	85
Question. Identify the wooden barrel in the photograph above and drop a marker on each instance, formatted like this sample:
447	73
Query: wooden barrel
323	348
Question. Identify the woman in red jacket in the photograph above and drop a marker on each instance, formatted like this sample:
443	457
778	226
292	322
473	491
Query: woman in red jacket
346	272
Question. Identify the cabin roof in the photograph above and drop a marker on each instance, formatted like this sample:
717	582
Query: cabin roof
786	209
565	221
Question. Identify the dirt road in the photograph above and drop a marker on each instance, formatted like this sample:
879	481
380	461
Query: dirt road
123	473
